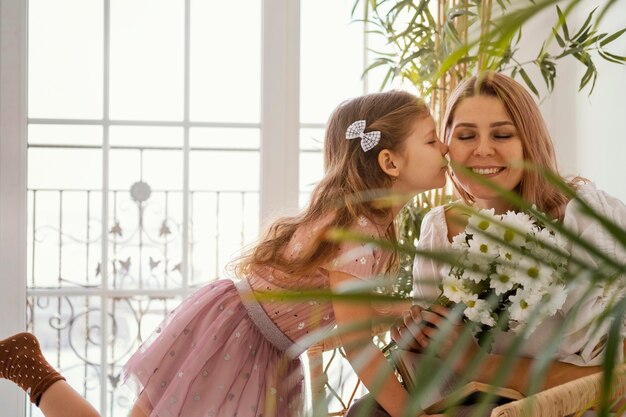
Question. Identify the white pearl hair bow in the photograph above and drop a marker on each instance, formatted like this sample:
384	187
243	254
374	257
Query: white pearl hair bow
368	140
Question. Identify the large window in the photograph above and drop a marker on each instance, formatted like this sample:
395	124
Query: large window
148	140
143	165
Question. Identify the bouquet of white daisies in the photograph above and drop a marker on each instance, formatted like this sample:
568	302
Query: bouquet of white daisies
510	271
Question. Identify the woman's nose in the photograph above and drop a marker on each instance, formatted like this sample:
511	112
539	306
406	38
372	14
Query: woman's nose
483	147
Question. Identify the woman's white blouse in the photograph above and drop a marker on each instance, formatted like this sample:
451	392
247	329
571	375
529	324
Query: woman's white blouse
584	341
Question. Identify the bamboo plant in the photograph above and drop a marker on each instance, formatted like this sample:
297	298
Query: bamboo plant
433	45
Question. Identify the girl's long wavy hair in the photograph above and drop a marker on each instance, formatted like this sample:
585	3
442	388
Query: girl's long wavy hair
351	180
531	127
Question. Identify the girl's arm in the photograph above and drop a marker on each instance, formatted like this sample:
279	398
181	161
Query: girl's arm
364	357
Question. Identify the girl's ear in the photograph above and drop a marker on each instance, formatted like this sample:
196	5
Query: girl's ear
389	163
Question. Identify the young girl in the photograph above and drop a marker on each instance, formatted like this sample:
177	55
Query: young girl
225	351
489	124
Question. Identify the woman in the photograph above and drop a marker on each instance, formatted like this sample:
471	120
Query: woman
491	123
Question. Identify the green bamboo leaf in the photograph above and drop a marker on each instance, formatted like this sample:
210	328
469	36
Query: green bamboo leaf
609	363
593	39
400	5
356	4
587	76
548	77
376	64
528	81
413	56
458	12
618	57
558	38
388	77
451	60
612	58
586	26
612	37
576	50
562	23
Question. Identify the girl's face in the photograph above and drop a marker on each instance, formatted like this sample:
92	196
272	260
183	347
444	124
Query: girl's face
484	139
422	165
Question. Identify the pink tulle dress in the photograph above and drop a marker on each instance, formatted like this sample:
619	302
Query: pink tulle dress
223	353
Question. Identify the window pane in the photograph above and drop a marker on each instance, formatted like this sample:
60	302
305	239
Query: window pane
225	61
311	158
146	137
224	138
62	168
222	224
331	56
147	65
69	329
224	209
77	135
224	170
312	139
64	230
311	162
145	239
65	77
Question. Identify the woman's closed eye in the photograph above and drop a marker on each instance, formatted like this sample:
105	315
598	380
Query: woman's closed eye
503	135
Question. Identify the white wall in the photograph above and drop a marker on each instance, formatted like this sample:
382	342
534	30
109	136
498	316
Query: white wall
12	185
589	130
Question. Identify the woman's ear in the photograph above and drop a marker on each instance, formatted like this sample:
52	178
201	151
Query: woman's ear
389	163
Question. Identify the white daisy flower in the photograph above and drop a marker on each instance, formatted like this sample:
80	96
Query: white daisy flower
478	312
513	222
483	245
503	280
477	268
553	299
522	304
482	222
454	290
459	242
533	274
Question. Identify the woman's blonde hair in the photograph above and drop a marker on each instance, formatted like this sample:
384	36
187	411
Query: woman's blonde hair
536	142
350	176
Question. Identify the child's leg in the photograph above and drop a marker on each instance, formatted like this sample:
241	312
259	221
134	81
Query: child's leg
22	362
137	412
141	404
60	400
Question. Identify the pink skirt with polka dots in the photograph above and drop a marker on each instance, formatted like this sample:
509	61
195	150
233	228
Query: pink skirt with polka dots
208	359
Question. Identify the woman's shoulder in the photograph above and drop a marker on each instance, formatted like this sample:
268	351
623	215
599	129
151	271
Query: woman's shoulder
579	221
599	200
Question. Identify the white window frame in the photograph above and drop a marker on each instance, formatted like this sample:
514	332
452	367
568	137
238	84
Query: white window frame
280	102
279	148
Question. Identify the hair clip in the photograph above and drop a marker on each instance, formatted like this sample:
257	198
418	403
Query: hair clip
368	140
